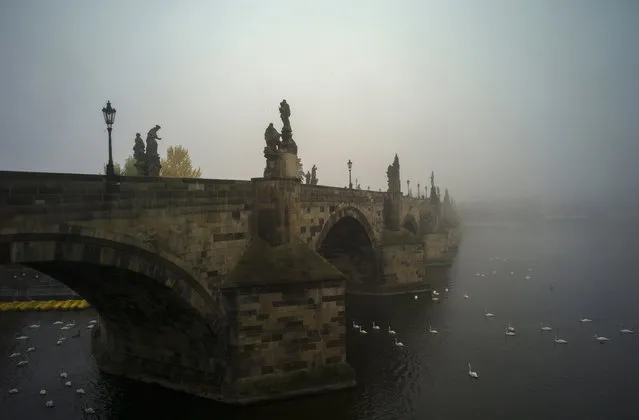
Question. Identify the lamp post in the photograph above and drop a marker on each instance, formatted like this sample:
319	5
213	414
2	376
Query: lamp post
109	118
350	166
408	187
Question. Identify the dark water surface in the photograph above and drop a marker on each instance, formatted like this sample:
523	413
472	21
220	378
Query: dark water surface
576	270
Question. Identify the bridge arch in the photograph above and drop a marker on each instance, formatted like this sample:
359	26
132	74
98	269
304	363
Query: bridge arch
151	309
410	224
347	241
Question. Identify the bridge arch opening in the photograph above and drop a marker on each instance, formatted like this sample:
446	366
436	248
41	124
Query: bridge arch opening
410	224
347	244
153	322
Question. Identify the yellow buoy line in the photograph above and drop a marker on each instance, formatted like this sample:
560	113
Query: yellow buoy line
44	305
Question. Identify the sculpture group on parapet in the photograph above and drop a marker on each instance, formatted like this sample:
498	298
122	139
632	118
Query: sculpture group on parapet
147	159
276	142
311	176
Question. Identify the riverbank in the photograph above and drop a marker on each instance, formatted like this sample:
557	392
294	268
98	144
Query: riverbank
44	305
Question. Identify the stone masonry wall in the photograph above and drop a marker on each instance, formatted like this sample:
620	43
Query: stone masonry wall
203	223
285	329
403	264
436	246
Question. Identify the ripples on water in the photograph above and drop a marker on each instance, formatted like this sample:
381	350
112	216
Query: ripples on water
577	271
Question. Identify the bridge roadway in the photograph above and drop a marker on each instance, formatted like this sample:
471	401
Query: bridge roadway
228	289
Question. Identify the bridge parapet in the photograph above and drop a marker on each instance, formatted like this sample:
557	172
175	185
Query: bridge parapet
39	193
321	193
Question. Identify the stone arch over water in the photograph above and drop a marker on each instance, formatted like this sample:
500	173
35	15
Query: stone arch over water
157	321
347	241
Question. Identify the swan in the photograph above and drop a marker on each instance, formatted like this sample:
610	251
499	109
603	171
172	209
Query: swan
375	326
36	325
446	290
527	277
22	362
80	391
93	321
466	296
601	339
13	391
435	293
431	330
435	299
30	349
22	337
89	410
472	373
362	331
626	331
355	326
510	328
391	332
12	355
509	332
90	326
560	340
398	343
488	314
58	323
49	403
43	391
59	341
63	374
584	320
415	297
65	327
545	327
67	383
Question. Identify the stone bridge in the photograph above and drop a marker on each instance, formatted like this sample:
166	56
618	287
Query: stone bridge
231	290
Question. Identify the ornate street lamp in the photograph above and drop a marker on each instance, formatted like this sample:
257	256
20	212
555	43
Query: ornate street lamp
109	118
350	166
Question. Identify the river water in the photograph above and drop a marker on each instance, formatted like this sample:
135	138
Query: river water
574	270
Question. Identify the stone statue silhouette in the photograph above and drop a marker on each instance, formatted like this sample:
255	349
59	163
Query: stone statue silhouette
272	138
285	113
152	156
308	177
139	155
314	175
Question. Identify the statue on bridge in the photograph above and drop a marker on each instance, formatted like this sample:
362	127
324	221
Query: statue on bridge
285	113
139	155
288	144
272	138
308	177
152	156
392	173
314	175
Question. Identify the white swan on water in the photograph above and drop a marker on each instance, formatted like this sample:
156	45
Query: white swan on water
80	391
398	343
375	326
49	403
488	314
472	373
12	355
545	327
600	338
560	340
390	331
510	328
626	331
13	391
584	320
431	330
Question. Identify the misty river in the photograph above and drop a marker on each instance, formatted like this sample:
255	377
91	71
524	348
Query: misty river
525	274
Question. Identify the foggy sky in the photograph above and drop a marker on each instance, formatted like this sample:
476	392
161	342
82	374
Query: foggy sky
499	98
